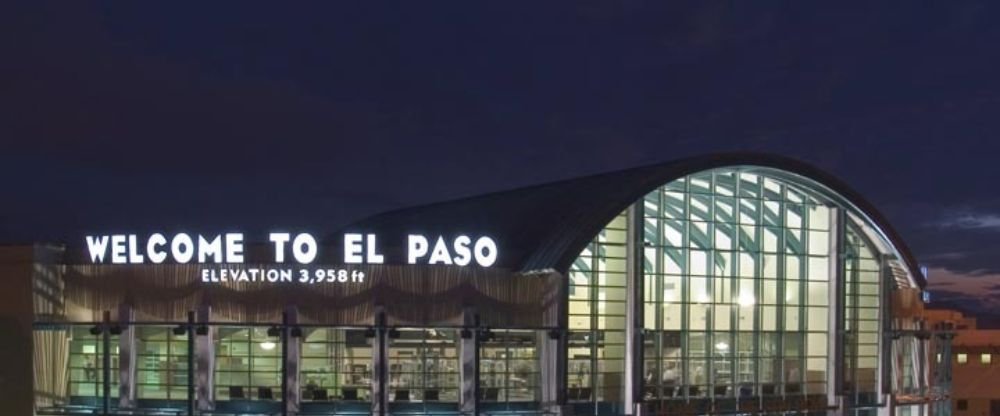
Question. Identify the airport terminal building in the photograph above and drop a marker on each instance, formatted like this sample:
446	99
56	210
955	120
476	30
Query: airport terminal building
724	284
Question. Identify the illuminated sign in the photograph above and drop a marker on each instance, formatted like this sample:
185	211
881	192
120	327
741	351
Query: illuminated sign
299	248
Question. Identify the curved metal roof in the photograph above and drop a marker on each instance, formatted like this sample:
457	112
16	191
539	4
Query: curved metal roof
547	226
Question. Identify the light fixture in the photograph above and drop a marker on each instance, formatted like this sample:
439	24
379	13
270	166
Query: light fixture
274	331
485	334
722	346
267	345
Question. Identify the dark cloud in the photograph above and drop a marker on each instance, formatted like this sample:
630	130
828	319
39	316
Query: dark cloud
972	222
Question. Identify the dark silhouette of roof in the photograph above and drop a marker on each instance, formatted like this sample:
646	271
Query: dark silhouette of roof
547	226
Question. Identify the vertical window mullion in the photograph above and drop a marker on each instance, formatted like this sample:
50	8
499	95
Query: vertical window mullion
685	273
782	299
658	307
595	272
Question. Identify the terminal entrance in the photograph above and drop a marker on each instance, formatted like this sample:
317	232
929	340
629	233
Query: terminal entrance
509	368
336	373
423	370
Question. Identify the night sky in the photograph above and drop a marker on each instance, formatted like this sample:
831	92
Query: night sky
139	116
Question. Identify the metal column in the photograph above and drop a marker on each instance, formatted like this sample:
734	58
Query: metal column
553	349
886	360
126	357
106	362
634	310
468	401
380	358
190	363
290	358
837	319
205	359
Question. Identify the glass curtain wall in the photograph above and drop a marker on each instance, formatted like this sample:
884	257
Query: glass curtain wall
247	364
423	367
509	368
69	368
161	363
86	367
336	365
861	339
597	302
737	287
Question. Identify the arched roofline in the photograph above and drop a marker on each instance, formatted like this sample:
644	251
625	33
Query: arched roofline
550	224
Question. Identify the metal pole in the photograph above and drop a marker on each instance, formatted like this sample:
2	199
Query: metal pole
190	363
106	361
475	356
634	388
284	362
383	367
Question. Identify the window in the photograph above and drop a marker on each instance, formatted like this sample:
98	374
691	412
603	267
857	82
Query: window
938	357
247	364
963	358
86	360
336	363
598	303
162	363
962	404
985	358
423	366
737	279
509	367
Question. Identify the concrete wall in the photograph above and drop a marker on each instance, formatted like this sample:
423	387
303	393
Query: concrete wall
976	407
16	316
975	382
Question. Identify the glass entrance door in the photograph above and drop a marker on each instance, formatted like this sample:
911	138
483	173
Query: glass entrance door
423	370
509	370
247	369
336	370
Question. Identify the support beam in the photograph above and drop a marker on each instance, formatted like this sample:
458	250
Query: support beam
191	404
468	352
886	348
126	357
106	362
634	310
886	327
205	359
380	365
553	367
292	353
553	349
838	316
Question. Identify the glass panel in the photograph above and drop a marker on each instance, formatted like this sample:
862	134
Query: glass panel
161	363
736	290
336	365
247	364
509	367
423	365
